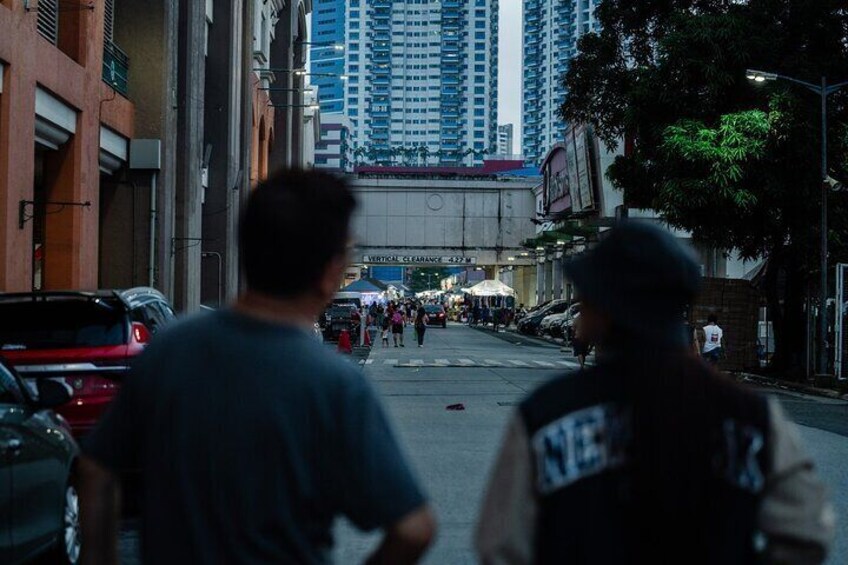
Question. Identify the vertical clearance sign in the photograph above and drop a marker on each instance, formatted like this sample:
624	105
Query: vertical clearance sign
418	260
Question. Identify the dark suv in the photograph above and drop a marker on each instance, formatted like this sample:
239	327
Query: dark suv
85	339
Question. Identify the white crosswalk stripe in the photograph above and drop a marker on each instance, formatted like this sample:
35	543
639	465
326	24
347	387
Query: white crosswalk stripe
569	364
390	362
444	362
492	363
518	363
466	362
544	364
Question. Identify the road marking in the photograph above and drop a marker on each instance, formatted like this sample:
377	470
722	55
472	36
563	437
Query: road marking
390	362
492	363
518	363
570	364
544	364
416	362
466	362
444	362
369	361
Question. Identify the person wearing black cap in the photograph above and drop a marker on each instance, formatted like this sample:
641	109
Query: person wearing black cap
650	456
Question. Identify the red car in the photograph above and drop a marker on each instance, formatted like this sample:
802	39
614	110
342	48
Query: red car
85	339
436	315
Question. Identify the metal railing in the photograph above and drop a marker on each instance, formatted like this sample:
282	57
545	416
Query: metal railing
116	65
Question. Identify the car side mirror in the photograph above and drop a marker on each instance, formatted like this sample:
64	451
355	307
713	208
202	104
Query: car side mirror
52	393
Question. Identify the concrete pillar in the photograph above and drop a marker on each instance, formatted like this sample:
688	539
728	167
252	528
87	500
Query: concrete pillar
147	31
186	246
556	267
282	57
540	278
225	75
549	278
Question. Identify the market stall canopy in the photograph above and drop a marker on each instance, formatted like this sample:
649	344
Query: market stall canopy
366	285
490	288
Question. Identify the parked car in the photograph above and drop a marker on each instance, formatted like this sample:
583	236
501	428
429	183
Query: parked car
86	339
436	315
530	323
38	501
338	317
547	323
565	329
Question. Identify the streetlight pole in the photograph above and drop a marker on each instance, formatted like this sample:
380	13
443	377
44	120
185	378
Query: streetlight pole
823	282
823	91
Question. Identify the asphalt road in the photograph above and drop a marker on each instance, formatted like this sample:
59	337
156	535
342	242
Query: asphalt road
452	450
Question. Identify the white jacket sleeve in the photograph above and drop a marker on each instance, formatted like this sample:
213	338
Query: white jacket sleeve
796	516
506	530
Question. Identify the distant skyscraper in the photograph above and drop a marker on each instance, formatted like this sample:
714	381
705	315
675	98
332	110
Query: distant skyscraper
505	135
551	31
422	77
328	56
333	151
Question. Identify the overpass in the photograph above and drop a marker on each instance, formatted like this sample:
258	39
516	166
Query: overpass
443	220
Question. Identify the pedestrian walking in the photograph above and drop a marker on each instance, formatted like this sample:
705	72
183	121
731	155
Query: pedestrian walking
421	321
580	345
398	323
213	415
385	324
650	456
713	335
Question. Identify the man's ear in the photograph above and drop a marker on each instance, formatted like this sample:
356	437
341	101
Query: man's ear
332	278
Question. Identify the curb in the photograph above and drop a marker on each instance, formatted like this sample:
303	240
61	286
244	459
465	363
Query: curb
784	385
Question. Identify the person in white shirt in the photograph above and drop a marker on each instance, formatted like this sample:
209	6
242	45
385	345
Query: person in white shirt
712	340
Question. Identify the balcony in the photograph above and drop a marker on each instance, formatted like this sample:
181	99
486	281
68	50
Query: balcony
116	65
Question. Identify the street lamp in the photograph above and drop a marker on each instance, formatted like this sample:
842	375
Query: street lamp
823	90
319	44
310	106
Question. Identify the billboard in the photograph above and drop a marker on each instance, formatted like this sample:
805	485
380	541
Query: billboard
569	174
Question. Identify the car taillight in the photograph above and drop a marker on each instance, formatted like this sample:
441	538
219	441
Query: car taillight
90	385
140	333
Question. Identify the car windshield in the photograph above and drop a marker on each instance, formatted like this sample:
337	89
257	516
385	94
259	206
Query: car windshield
60	324
433	309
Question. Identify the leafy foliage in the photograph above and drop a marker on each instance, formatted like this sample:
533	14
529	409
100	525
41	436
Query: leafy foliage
737	164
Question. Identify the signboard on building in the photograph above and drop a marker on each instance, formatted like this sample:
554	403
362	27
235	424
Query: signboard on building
418	260
579	164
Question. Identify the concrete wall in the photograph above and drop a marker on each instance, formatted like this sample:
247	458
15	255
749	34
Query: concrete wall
484	219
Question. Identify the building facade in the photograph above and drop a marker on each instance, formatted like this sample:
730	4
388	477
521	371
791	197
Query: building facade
130	133
505	139
421	78
326	56
65	126
334	150
552	29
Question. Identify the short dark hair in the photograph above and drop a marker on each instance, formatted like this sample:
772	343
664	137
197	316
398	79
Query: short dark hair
712	318
294	224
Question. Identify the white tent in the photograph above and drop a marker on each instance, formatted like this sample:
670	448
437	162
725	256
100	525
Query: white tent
490	288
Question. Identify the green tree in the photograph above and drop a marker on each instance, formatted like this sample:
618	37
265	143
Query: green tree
736	164
427	278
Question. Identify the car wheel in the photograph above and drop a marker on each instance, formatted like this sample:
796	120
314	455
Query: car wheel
69	544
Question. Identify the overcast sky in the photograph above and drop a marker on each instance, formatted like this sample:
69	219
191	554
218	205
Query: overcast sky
509	68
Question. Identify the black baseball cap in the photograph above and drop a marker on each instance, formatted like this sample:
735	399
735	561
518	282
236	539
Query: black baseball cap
640	276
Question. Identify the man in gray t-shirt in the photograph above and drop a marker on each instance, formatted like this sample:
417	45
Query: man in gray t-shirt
251	437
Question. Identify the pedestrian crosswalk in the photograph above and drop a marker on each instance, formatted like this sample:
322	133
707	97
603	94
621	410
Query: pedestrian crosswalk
468	363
